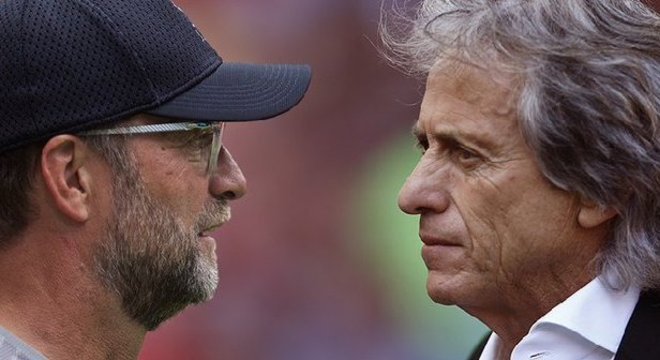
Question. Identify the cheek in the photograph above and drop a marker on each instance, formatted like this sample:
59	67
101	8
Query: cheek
185	196
517	222
172	180
180	190
501	215
484	212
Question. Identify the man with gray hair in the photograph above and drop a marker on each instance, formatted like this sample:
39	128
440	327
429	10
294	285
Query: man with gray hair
538	188
112	170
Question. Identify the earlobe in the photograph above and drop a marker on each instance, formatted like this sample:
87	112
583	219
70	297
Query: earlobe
66	177
592	215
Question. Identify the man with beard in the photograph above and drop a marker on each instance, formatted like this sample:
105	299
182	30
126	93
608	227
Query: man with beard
112	169
538	187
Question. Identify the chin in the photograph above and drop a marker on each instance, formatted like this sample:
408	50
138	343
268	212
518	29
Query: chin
442	291
207	280
440	298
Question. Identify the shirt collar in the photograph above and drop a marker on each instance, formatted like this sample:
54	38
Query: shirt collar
595	313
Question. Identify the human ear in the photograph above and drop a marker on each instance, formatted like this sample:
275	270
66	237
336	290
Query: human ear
66	175
592	215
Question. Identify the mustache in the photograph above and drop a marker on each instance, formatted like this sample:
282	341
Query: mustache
214	214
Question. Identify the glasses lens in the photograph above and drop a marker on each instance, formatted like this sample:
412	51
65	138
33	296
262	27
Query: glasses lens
216	146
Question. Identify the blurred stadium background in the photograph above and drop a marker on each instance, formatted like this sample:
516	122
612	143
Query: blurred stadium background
318	263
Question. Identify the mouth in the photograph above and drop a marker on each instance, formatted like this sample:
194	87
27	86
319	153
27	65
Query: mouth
215	215
209	230
436	241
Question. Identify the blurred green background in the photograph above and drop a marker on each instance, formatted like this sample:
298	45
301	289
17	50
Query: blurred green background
318	262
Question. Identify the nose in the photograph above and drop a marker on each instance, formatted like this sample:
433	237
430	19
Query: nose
227	181
424	191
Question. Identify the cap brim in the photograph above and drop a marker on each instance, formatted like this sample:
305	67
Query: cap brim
240	92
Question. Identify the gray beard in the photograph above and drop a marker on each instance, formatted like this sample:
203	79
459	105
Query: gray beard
151	259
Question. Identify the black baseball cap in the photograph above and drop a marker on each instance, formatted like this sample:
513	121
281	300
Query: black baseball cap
71	65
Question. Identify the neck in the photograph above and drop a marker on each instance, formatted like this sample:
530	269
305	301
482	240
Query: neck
56	305
517	302
513	316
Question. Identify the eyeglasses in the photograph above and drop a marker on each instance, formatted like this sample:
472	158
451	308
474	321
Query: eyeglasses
215	128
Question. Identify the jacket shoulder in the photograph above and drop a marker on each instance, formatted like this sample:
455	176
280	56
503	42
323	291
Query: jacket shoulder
641	339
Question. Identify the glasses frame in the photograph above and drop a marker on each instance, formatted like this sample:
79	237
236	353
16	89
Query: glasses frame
217	128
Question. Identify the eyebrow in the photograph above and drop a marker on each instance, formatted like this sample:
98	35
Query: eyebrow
417	131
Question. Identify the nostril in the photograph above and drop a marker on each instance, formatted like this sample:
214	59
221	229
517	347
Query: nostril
229	195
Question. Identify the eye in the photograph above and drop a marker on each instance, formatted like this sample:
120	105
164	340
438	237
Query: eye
196	145
422	144
465	154
466	157
201	141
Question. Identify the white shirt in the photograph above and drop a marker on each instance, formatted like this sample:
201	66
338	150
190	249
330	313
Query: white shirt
13	348
589	325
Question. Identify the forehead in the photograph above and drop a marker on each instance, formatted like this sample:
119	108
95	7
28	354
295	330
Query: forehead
464	100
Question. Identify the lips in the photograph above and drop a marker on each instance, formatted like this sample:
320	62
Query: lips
435	240
208	230
440	252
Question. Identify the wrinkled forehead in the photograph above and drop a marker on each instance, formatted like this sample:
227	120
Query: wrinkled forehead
489	89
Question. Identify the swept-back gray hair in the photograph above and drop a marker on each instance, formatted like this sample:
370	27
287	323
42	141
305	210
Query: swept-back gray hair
588	99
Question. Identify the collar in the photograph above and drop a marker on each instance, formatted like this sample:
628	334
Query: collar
591	321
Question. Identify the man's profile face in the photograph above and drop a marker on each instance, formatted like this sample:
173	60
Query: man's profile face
155	253
493	227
